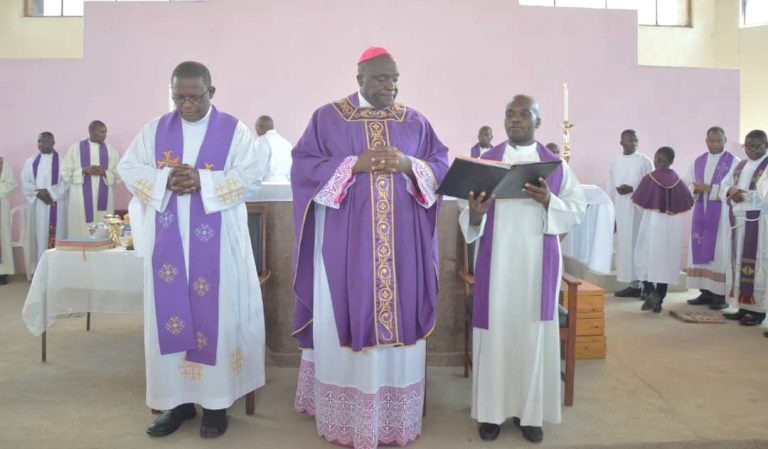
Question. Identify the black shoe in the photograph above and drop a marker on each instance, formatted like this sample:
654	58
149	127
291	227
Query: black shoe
488	431
214	423
533	434
629	292
718	302
752	319
170	420
652	301
3	279
701	300
736	316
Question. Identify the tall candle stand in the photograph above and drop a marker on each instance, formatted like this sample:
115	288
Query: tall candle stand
566	126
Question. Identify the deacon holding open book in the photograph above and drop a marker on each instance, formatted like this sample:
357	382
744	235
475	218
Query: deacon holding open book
516	349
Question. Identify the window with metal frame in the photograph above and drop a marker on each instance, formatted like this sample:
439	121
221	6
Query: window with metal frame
68	8
649	12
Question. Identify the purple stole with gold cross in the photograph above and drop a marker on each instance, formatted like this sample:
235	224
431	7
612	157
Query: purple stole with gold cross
187	310
746	278
706	221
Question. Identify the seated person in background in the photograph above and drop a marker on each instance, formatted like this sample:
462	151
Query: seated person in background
663	198
744	191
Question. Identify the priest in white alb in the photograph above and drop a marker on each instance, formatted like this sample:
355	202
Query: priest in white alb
203	313
90	168
7	184
744	191
516	339
626	173
46	193
710	226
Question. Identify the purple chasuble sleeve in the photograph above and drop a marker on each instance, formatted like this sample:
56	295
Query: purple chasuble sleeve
379	246
551	250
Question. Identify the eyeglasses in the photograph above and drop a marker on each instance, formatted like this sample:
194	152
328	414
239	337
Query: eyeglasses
751	146
194	99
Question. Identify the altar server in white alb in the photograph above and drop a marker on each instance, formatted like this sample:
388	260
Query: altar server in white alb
710	226
626	173
46	193
516	339
7	184
203	314
663	198
90	168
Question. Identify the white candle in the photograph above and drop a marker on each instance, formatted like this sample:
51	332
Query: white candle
565	102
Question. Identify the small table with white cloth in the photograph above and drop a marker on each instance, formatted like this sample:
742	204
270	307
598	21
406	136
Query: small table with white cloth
591	241
67	282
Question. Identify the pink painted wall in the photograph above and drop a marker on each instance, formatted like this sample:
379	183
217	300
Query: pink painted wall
460	62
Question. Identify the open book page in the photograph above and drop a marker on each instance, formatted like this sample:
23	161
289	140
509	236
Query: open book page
472	175
520	174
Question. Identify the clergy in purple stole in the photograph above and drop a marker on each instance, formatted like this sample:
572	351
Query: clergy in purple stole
46	195
710	229
364	178
663	197
516	345
745	192
90	168
484	137
203	321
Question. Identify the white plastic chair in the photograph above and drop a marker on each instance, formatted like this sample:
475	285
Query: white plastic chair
23	241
